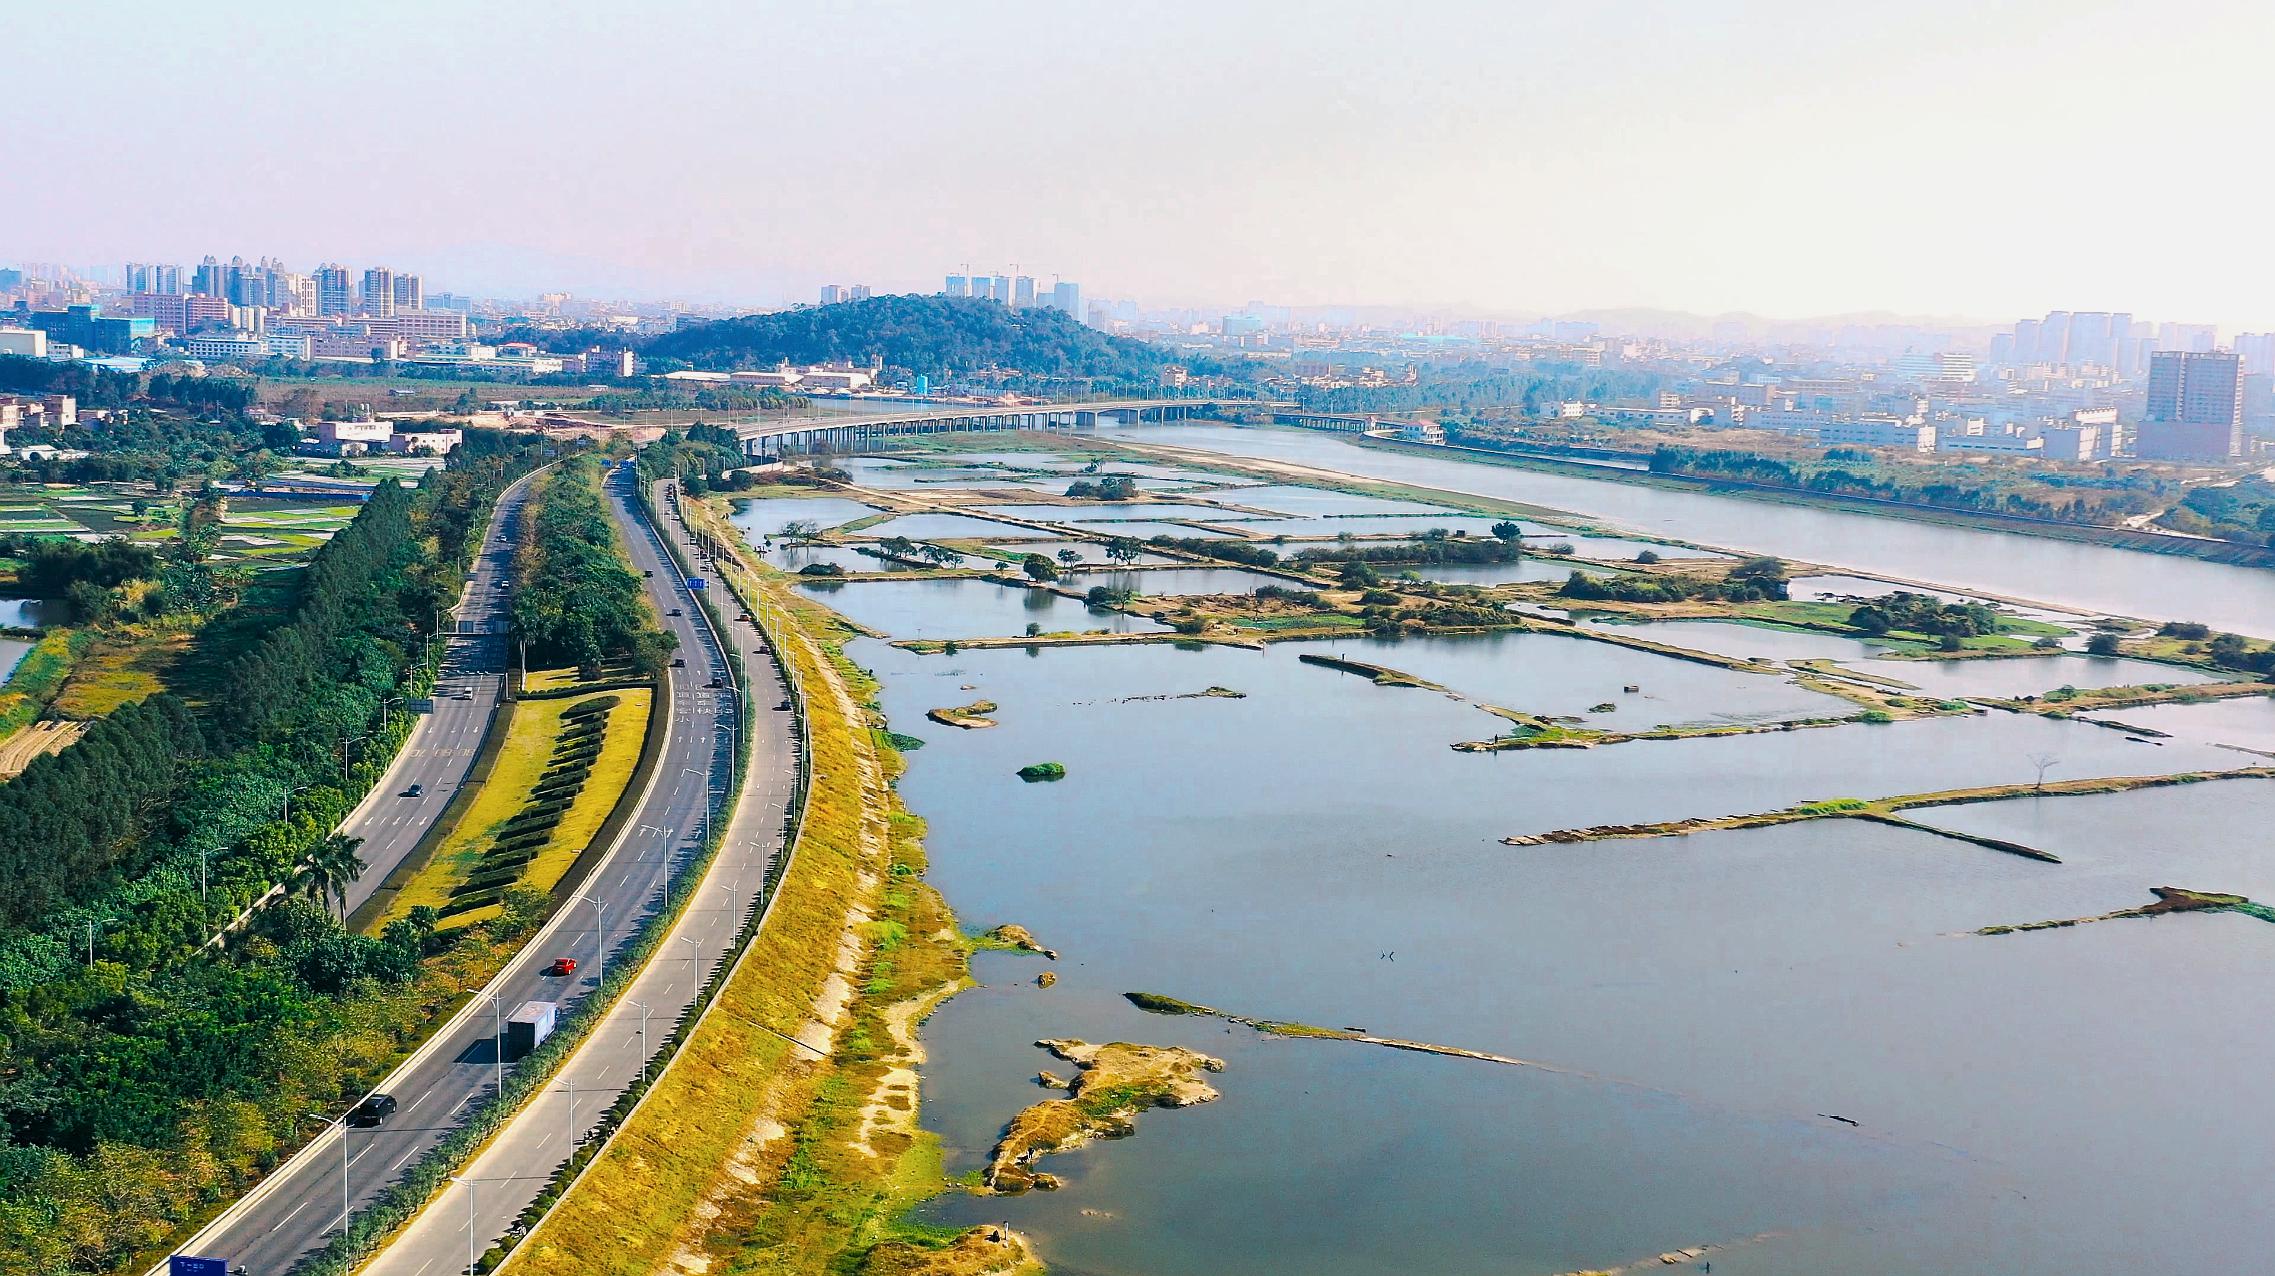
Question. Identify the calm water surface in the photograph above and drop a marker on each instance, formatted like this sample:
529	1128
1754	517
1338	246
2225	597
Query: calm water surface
767	516
2093	1099
2089	577
1714	994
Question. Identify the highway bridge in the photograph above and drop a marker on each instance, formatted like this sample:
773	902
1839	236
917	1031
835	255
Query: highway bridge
854	433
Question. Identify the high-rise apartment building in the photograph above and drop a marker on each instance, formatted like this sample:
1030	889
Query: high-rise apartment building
1023	292
291	293
2198	338
832	294
958	286
379	292
2257	350
2195	408
153	277
859	292
1000	289
2026	342
1068	297
332	290
2054	337
410	293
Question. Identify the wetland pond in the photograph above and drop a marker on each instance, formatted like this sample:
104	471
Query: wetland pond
1784	1043
1315	852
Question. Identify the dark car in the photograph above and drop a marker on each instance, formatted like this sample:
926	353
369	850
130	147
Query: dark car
675	611
372	1110
678	663
784	705
416	790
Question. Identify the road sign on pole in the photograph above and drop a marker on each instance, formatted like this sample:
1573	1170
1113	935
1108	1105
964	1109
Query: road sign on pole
188	1265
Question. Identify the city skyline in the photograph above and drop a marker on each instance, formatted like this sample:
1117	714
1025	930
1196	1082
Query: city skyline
1773	159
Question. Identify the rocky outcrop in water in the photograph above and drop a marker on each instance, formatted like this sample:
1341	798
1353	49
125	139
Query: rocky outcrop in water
1117	1080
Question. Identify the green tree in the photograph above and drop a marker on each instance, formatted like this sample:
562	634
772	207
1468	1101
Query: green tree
1039	568
333	866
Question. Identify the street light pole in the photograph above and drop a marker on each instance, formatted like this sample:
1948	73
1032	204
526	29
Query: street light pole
468	1184
497	1039
643	1038
344	1196
345	741
599	938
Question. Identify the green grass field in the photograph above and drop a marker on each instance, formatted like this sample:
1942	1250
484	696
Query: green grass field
529	748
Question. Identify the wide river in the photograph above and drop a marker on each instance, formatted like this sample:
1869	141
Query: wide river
1711	1013
2068	573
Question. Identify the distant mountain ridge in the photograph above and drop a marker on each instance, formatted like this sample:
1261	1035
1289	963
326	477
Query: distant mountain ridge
930	336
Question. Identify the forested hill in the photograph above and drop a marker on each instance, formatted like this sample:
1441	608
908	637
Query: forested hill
931	336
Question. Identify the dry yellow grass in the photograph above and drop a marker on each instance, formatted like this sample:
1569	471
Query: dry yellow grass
122	667
752	1153
530	736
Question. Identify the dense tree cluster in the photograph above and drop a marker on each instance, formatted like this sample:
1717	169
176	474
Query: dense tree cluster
143	1074
927	336
1221	547
700	458
1437	549
1924	614
2101	499
579	603
50	565
2242	511
1117	487
1752	580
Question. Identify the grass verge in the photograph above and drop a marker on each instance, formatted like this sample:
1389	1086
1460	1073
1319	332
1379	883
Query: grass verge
533	739
753	1151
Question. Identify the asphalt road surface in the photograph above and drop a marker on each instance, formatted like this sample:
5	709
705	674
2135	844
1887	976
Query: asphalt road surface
521	1158
295	1211
441	747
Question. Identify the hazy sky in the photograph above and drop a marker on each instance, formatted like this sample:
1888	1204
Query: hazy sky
1974	158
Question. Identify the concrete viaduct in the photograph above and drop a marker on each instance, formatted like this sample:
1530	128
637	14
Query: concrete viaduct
854	433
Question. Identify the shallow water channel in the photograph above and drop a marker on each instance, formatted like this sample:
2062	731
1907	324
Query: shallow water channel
2084	1099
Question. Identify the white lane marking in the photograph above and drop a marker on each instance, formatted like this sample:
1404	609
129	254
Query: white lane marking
289	1217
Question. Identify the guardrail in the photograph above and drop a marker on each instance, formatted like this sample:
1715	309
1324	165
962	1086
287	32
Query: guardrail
403	1199
581	1156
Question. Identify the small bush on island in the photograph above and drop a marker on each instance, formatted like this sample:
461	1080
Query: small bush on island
1035	772
2104	644
1752	580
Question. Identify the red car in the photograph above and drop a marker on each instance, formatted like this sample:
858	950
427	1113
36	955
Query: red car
562	966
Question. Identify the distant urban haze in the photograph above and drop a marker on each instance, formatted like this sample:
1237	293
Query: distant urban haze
1788	159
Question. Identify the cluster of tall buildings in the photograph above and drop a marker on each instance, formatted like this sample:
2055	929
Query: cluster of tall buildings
244	310
330	292
1019	292
2114	342
2195	407
832	294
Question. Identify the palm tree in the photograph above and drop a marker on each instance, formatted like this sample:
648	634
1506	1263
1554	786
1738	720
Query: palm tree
332	867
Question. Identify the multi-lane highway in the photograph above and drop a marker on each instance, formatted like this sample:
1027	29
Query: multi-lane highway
519	1159
304	1202
441	747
